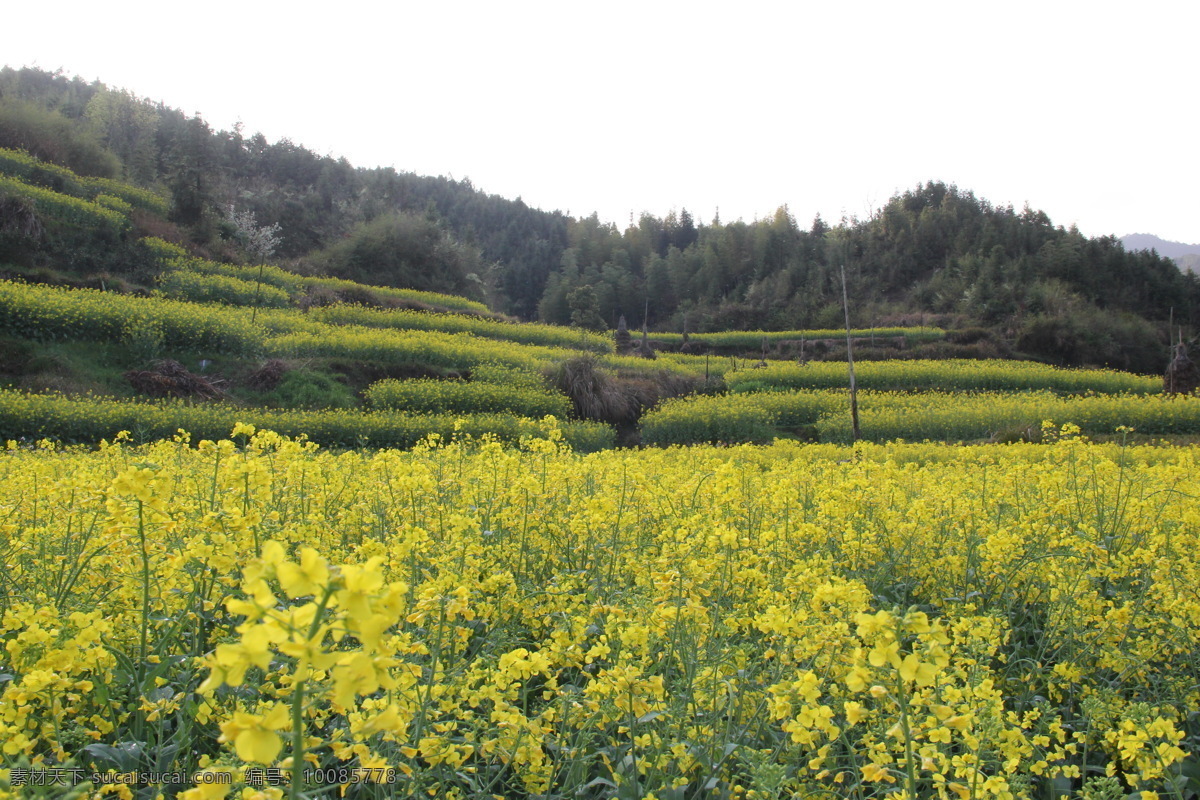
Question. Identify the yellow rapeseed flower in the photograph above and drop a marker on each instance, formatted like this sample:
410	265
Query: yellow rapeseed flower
254	735
309	577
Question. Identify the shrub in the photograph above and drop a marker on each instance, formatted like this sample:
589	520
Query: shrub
305	388
55	139
405	250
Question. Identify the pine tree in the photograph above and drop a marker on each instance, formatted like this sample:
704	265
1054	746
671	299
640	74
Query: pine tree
585	309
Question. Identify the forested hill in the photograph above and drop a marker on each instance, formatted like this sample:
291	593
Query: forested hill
318	201
934	249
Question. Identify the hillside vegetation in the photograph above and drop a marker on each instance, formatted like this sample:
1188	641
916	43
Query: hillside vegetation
935	254
114	298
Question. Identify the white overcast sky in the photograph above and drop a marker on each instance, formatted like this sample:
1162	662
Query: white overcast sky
1084	110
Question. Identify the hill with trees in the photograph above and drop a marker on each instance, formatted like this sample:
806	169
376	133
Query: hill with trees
934	254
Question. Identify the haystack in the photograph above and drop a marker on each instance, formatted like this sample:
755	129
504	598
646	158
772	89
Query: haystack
1182	376
644	350
167	378
622	340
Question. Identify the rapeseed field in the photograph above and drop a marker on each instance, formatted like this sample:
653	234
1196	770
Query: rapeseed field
469	619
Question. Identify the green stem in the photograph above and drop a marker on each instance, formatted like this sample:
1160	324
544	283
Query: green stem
144	646
902	698
909	766
257	287
144	643
297	740
298	704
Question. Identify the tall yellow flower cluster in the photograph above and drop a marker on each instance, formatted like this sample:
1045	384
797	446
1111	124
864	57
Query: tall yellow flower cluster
329	648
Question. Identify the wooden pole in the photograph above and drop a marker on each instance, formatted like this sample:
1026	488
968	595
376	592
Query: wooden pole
850	358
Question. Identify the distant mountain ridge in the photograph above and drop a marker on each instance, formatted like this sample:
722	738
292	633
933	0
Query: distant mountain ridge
1185	256
1147	241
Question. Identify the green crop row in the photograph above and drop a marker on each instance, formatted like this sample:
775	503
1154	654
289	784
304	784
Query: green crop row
138	198
491	372
174	258
198	287
754	339
546	335
113	204
455	351
470	397
944	375
723	419
31	416
65	208
27	168
49	313
933	416
433	299
288	283
161	249
20	164
705	365
35	416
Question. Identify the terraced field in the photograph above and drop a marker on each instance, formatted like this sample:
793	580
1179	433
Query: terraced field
393	550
